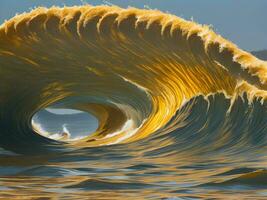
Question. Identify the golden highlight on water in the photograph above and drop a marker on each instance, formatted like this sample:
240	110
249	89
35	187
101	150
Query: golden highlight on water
155	82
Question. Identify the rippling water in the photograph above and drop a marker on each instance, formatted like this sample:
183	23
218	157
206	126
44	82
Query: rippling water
182	113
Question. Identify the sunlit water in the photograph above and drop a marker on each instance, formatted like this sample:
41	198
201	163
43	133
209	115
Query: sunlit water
190	162
170	109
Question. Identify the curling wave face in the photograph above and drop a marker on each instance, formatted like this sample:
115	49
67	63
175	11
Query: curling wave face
159	85
133	69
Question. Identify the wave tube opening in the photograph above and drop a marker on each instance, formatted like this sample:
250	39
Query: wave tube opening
64	124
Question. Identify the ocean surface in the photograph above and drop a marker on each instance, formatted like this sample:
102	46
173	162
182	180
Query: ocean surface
169	109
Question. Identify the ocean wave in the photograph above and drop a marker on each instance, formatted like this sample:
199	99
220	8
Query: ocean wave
145	75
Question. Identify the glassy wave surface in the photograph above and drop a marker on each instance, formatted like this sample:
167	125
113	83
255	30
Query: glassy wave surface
182	112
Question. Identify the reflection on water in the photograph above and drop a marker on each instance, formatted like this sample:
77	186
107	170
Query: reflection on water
107	174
